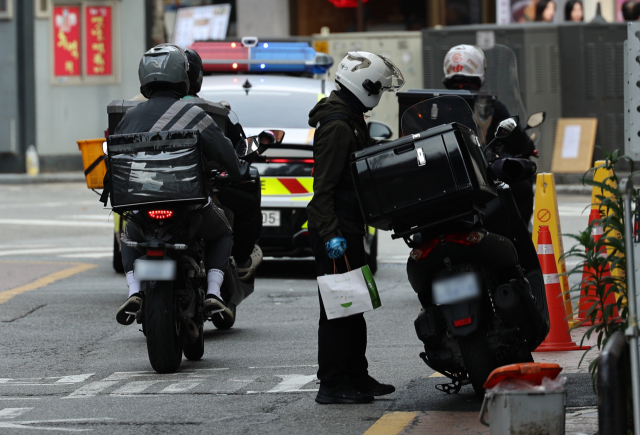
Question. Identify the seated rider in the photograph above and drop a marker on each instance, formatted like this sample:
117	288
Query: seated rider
247	217
464	68
163	74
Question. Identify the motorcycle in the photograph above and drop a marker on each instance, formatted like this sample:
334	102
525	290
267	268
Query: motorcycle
173	274
477	276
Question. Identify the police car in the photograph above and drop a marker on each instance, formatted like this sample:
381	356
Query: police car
274	85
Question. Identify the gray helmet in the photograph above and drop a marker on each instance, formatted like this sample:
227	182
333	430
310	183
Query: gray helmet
164	67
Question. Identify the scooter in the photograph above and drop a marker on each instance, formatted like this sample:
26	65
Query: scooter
477	277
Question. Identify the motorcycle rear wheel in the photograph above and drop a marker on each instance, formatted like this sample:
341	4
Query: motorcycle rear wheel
221	323
164	344
478	360
194	351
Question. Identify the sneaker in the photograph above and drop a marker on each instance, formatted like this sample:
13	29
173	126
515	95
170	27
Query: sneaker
127	312
368	385
213	305
341	394
244	273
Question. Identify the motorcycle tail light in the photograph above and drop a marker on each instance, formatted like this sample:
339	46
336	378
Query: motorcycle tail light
160	214
424	250
464	238
308	161
155	253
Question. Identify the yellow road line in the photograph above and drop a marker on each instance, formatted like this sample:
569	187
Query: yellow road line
391	424
45	280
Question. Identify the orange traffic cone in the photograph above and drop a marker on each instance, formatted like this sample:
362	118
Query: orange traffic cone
587	295
559	338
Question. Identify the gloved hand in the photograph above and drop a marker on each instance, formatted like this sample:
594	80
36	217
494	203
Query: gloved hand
336	247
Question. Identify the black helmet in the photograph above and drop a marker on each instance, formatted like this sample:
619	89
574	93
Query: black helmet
195	71
164	67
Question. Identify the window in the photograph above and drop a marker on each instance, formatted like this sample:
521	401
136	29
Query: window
6	9
84	49
42	8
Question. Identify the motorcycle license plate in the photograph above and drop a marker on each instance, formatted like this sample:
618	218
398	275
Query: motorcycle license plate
270	218
455	289
154	270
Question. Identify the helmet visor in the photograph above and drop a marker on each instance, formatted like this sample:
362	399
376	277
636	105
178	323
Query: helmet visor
397	80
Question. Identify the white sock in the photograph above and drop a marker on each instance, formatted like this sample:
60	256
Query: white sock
134	284
214	281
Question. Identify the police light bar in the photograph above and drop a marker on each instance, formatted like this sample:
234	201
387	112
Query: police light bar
259	56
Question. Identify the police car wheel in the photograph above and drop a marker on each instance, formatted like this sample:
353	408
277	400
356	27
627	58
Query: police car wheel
117	256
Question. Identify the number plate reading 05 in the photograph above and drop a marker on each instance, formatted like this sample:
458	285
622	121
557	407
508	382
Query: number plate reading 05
270	218
455	289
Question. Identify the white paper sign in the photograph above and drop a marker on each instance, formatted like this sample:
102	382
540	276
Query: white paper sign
571	141
201	23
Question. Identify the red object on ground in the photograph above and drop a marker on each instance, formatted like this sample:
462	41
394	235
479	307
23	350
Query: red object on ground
559	337
587	296
532	372
346	3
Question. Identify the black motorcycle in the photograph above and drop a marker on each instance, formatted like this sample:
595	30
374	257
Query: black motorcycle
477	276
166	170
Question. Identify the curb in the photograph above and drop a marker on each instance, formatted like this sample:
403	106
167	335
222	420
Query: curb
56	177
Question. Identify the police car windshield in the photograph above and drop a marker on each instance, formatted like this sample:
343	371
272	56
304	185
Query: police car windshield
273	109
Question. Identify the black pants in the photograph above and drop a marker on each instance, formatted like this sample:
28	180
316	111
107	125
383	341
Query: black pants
247	221
215	231
342	342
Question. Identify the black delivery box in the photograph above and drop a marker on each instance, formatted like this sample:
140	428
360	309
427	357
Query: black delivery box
429	177
156	169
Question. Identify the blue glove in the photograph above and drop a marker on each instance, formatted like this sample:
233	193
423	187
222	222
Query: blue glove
336	247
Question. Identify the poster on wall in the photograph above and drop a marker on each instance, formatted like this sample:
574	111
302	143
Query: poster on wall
66	41
201	23
514	11
98	37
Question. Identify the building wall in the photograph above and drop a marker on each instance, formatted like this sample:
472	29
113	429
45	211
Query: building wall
8	88
67	113
263	18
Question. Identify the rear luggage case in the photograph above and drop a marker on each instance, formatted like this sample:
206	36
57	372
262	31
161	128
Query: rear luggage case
156	169
426	178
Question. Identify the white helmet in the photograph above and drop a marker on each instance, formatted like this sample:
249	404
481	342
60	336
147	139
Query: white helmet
367	76
465	61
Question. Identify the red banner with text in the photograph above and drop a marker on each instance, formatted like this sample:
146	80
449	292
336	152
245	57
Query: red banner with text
99	41
66	37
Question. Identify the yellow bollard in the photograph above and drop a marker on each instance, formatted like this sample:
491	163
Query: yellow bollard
546	213
600	175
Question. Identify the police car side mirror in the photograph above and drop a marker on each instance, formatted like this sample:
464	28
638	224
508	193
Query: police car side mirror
379	130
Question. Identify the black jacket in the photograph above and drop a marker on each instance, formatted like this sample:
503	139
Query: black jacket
334	209
165	111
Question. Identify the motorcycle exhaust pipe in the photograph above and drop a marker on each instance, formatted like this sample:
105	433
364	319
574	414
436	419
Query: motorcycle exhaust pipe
192	329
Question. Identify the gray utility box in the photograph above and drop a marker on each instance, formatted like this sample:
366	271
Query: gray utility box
566	70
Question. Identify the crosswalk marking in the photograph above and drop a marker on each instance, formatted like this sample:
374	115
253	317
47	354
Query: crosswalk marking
180	387
13	412
92	389
74	379
133	387
232	385
292	383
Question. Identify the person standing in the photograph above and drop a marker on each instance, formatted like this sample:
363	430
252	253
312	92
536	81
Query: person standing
336	225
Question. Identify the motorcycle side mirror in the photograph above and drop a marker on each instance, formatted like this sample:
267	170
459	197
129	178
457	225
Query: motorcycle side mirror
512	170
506	127
247	146
536	119
379	130
105	150
270	137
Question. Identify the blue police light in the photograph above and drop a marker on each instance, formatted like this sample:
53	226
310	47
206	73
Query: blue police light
290	57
